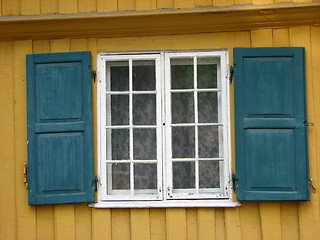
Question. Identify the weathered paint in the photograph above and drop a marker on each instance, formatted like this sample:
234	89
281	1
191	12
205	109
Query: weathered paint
253	220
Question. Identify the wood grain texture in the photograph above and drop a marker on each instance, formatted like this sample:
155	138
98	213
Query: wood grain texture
250	221
162	4
158	224
87	5
8	227
10	7
121	227
203	3
70	6
223	3
192	223
26	215
101	224
270	220
308	211
48	6
140	224
184	4
281	37
176	224
45	214
107	5
206	224
233	224
30	7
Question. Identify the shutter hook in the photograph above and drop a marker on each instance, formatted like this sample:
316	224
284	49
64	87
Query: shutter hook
313	186
25	174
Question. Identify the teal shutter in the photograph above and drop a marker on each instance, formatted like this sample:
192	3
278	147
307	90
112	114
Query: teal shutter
270	116
60	147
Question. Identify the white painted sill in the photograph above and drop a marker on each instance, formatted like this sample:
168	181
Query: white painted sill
165	204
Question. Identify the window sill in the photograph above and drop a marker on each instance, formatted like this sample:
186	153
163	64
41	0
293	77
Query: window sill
166	204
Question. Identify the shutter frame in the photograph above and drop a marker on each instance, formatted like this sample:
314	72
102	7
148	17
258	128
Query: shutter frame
271	129
60	128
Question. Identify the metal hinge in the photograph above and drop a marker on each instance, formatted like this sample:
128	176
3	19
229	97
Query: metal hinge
96	183
232	71
25	174
94	74
234	181
308	124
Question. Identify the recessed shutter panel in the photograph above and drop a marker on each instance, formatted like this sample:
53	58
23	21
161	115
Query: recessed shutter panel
60	147
270	116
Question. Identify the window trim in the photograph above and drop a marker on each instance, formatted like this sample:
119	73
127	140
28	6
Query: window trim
226	200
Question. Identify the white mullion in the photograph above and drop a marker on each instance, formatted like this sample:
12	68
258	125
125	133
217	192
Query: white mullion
199	90
194	159
158	75
129	161
195	94
127	92
128	126
193	124
131	129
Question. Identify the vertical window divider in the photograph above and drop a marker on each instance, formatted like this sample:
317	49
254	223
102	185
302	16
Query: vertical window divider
131	129
195	85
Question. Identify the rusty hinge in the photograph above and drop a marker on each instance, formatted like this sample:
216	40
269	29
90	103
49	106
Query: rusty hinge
96	183
234	181
232	71
25	174
94	74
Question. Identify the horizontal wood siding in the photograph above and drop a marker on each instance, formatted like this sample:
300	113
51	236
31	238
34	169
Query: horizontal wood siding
253	220
36	7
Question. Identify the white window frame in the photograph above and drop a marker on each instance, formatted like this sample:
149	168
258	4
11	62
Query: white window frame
165	197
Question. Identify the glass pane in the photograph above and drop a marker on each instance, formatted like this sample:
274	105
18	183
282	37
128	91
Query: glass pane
144	109
119	139
209	174
145	176
182	107
208	137
144	144
206	73
120	175
183	174
143	75
119	110
208	107
119	76
183	142
182	73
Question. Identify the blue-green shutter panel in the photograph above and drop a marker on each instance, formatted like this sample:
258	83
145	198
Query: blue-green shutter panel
60	137
270	112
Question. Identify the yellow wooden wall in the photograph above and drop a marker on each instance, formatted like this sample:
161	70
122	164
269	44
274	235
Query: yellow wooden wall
251	221
36	7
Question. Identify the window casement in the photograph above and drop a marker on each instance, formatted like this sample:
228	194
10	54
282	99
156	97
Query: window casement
164	129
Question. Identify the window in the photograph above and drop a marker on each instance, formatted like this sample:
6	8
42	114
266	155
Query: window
164	129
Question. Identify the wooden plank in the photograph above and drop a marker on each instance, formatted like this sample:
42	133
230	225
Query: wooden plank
165	4
261	38
87	5
146	5
250	221
176	224
83	221
290	221
262	2
242	2
158	224
281	37
45	214
206	224
64	222
8	227
270	220
233	224
184	3
26	215
101	224
64	213
45	222
120	224
126	5
49	6
223	3
83	218
220	224
192	223
30	7
107	5
315	58
203	3
11	7
309	211
140	224
70	6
